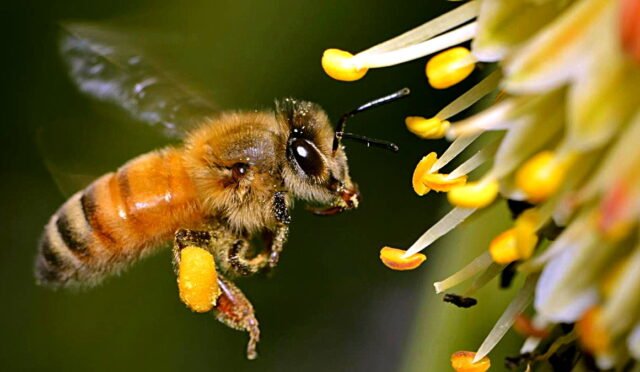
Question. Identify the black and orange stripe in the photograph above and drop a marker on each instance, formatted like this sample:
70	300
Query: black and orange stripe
117	219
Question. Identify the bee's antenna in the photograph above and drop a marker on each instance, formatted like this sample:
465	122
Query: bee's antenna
371	141
340	133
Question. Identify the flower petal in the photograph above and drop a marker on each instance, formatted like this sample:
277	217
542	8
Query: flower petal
554	55
504	25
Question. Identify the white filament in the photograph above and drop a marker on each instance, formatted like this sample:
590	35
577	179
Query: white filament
470	97
411	52
479	264
429	29
519	303
456	147
442	227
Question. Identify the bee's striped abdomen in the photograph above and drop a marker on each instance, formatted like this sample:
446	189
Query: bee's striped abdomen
116	219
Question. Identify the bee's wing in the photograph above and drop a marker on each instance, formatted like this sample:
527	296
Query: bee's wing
103	65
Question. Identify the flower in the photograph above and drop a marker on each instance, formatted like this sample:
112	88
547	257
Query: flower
565	155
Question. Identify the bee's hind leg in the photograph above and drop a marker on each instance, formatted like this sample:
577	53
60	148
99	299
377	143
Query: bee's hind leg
184	238
231	306
235	310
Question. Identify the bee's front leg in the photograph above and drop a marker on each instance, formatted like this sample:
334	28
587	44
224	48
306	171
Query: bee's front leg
277	239
279	236
235	310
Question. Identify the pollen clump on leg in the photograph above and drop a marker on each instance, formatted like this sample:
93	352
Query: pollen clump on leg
393	259
462	361
197	279
339	65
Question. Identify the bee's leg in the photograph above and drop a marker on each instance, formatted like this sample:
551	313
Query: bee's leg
184	238
238	258
278	238
279	235
235	310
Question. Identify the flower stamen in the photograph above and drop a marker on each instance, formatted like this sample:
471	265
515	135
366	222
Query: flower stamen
415	51
474	194
429	29
455	217
507	319
433	128
393	258
344	66
494	118
450	67
542	175
458	146
464	361
474	267
339	65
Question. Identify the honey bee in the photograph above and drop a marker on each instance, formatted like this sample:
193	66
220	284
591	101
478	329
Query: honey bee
234	178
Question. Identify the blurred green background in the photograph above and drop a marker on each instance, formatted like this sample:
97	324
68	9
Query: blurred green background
330	305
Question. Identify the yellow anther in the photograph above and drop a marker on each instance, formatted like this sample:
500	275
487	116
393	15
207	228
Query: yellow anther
393	259
423	168
541	176
424	181
450	67
197	279
442	182
503	248
474	194
518	242
591	332
339	65
433	128
462	361
525	231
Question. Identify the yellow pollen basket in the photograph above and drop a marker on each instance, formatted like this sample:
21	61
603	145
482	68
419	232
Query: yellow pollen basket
339	65
474	194
541	176
462	361
393	259
424	181
450	67
197	279
433	128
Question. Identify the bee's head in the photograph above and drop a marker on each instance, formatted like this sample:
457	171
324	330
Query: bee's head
316	169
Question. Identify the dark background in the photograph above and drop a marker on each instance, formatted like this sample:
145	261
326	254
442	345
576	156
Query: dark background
331	304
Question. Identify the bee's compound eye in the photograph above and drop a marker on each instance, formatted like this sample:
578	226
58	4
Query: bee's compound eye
307	156
239	170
